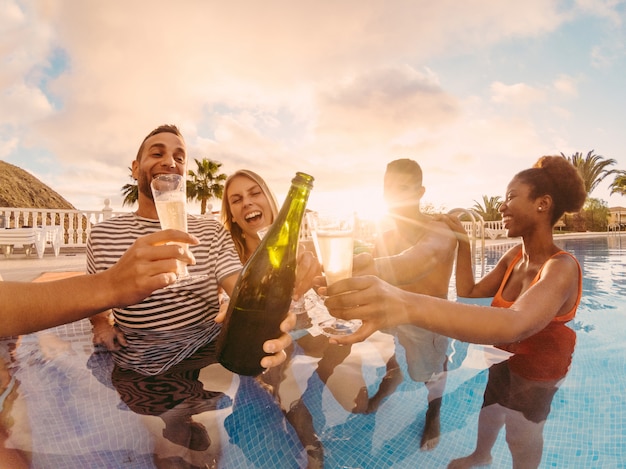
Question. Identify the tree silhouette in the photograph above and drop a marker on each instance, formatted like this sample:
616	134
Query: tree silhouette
130	191
206	183
618	186
490	210
591	168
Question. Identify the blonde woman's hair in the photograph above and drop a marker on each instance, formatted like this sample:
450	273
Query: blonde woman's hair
226	214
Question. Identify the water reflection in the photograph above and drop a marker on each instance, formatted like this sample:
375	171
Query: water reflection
14	456
175	397
257	427
62	416
519	394
199	415
63	404
426	360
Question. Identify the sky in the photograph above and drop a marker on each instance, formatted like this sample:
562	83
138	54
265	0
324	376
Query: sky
473	90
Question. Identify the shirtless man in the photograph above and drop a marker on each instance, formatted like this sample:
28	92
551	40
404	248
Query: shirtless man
418	256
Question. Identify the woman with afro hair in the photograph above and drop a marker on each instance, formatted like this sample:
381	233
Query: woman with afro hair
536	288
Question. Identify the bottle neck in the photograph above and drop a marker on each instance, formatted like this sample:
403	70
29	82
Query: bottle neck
296	200
285	229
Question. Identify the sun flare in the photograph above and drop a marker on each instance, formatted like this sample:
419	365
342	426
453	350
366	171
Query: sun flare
367	203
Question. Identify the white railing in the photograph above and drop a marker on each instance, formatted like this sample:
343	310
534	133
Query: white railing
76	224
489	229
476	231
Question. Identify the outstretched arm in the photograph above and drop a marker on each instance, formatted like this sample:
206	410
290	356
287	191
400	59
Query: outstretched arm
149	264
381	305
435	248
464	273
466	285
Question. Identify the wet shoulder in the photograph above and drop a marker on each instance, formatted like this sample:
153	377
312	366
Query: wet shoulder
565	259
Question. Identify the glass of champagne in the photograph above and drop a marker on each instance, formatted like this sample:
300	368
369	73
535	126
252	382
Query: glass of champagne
170	197
333	237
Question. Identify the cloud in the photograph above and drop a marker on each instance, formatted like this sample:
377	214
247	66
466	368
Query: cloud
333	88
566	86
28	104
610	47
23	52
385	103
7	146
603	8
518	95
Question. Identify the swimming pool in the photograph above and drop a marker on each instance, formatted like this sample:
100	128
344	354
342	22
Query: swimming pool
63	405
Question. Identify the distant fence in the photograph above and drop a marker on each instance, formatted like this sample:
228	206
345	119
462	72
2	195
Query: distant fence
76	224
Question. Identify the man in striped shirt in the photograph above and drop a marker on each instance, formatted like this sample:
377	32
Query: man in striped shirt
171	324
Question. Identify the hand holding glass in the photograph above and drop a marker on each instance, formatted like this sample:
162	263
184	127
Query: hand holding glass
333	236
170	197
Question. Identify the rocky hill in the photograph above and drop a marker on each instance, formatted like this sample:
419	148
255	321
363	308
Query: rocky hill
21	189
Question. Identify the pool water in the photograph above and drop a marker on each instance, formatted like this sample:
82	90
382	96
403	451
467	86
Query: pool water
64	404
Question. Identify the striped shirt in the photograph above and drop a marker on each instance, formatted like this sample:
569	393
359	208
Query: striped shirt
171	324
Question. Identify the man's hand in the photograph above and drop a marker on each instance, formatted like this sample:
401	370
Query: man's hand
363	264
148	265
105	333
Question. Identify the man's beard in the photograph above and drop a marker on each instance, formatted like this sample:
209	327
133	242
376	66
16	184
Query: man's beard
143	183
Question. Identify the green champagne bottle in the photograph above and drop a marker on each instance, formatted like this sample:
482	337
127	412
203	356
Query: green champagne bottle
262	294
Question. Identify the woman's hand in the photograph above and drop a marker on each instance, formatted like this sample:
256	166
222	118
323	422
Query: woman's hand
275	347
455	224
377	303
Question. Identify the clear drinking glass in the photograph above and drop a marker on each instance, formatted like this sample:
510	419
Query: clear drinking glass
333	237
170	197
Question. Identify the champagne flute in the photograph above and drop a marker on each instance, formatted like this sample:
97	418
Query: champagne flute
170	198
333	237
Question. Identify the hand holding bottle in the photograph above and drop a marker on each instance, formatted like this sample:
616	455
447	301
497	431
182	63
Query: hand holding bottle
262	295
275	348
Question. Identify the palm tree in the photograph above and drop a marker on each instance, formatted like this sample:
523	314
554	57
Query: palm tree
592	168
618	186
130	191
490	210
206	183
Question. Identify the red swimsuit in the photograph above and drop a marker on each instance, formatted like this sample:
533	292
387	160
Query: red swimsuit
546	355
